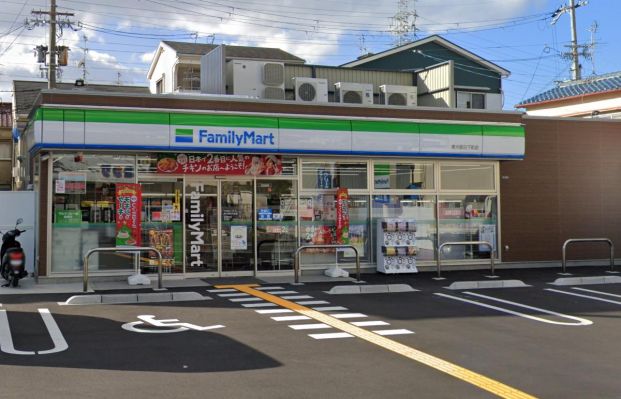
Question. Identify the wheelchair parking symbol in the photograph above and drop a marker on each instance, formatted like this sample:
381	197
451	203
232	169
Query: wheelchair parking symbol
163	326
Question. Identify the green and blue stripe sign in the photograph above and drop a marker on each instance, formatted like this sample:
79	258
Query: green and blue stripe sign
122	129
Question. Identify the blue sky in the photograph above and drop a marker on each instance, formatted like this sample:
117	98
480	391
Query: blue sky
121	35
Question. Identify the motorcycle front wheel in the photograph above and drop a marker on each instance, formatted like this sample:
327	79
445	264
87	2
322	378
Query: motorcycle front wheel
14	281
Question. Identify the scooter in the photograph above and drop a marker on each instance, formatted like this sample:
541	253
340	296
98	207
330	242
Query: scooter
12	257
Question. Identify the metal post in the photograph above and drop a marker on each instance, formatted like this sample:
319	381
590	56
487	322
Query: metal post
572	240
491	255
51	72
121	249
576	72
296	263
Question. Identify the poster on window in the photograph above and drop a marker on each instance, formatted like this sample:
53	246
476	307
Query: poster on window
212	164
342	216
72	183
128	212
487	232
239	238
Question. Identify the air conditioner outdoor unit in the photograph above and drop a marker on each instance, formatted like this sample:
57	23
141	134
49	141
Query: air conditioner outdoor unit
311	90
354	93
405	96
258	79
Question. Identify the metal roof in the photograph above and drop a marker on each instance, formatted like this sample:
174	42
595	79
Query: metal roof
26	91
261	53
591	85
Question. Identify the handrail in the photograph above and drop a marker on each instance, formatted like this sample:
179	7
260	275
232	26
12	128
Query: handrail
571	240
121	249
296	263
441	247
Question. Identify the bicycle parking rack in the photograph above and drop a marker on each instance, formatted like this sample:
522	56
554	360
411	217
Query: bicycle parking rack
441	247
122	249
296	263
572	240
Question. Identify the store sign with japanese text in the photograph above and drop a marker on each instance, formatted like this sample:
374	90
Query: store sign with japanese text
128	214
212	164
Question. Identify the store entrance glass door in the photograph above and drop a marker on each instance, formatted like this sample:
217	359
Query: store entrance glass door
237	226
201	225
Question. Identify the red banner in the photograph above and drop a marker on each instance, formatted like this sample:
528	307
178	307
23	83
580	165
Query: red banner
342	216
211	164
128	212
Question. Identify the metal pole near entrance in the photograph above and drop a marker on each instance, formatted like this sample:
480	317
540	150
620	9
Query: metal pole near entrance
487	243
122	249
296	262
572	240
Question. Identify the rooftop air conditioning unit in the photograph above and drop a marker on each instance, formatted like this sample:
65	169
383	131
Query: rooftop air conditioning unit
311	90
258	79
404	96
354	93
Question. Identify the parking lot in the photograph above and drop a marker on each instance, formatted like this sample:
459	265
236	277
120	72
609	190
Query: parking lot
282	340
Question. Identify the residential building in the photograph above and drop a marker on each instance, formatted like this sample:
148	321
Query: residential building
592	97
6	146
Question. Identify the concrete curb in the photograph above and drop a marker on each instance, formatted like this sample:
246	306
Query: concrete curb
587	280
473	285
151	297
369	289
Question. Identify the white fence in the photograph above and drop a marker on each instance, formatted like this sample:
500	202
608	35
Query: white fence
20	204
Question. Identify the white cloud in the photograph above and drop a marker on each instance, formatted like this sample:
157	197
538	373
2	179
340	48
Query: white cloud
318	31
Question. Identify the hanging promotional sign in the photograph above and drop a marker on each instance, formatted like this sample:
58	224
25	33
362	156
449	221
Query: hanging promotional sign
211	164
342	216
128	211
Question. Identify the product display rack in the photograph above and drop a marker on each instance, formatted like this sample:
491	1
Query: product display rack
396	246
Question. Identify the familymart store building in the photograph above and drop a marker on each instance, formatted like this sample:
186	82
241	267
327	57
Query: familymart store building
236	192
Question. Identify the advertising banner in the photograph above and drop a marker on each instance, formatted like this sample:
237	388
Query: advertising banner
72	183
211	164
342	216
128	211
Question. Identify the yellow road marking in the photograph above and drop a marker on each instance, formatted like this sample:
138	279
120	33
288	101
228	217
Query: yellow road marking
478	380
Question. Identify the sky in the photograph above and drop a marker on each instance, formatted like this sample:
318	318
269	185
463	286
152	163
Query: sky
121	35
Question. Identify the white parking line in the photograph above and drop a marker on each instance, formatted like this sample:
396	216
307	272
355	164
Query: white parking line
249	299
312	302
297	297
282	292
329	308
273	311
309	326
348	315
370	323
290	318
222	290
393	332
233	295
596	292
584	296
268	288
580	321
331	335
259	305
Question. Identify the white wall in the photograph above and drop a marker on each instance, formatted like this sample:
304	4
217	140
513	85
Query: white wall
20	204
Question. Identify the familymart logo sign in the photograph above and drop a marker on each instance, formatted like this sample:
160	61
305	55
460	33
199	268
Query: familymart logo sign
218	137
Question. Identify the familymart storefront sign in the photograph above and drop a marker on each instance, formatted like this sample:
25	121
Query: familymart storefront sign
122	129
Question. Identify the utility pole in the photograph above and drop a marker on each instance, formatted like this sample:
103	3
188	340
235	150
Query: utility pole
573	55
52	50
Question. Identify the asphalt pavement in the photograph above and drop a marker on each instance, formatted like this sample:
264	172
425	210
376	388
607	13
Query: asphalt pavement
286	341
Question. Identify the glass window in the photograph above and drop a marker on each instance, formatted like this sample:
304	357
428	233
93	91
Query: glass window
84	214
467	176
161	224
318	226
468	218
330	175
276	224
421	208
396	175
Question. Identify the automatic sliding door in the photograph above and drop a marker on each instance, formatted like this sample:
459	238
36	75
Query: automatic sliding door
201	226
237	228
